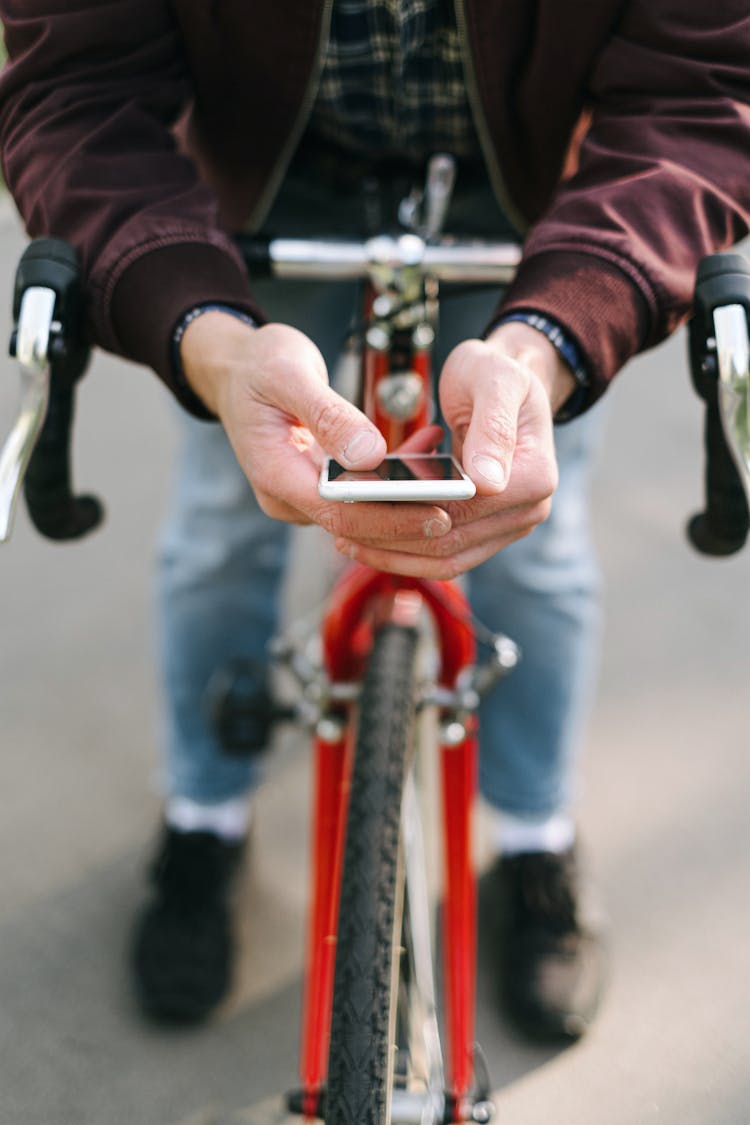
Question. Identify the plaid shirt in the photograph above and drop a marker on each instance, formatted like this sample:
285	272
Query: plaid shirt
393	81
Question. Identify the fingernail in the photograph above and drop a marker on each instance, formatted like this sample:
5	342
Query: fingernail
360	446
344	547
433	528
489	468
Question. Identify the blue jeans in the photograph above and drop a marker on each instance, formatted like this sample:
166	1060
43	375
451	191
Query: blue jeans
221	561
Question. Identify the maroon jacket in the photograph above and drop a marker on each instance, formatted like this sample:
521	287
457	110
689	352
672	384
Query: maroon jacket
93	90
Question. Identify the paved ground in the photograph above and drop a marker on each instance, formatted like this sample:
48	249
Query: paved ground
665	812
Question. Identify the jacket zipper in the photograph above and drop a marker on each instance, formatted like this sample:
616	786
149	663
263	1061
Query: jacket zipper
497	181
274	182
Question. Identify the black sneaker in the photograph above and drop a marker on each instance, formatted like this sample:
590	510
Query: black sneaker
182	949
551	960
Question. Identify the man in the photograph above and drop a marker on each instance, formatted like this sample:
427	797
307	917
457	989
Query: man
614	136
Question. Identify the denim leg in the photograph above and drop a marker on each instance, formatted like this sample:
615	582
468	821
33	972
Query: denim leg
544	592
220	566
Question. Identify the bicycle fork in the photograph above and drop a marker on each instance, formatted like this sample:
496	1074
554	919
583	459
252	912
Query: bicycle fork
346	634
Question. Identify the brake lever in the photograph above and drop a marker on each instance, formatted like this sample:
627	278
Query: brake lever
720	369
733	358
52	355
31	341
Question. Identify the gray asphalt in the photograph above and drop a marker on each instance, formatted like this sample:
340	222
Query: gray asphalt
664	814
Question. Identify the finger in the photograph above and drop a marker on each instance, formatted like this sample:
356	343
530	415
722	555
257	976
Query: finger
426	440
493	531
384	523
279	510
482	394
289	374
339	428
424	566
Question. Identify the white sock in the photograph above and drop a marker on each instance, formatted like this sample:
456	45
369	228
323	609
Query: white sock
227	819
514	834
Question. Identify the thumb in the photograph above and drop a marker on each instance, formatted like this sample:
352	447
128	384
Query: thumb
484	392
291	375
340	429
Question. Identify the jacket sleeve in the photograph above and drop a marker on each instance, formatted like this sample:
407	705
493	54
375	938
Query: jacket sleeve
88	100
663	178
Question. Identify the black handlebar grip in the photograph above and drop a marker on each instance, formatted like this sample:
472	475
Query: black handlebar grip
53	508
722	528
256	254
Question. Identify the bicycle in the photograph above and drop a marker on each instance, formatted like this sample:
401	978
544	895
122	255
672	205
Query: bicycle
379	974
375	986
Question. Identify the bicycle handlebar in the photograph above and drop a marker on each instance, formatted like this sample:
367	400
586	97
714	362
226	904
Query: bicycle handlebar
720	367
47	343
340	260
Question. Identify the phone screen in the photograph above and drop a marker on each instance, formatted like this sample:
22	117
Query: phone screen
433	467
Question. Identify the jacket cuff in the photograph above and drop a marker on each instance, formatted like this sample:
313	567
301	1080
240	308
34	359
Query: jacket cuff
156	291
595	303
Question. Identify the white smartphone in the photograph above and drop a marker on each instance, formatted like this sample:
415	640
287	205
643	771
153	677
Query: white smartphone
429	477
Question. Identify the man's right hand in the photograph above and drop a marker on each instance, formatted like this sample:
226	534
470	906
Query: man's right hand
269	387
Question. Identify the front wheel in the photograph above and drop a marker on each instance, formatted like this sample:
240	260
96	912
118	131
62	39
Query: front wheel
383	1000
